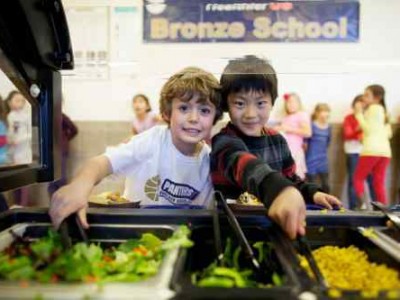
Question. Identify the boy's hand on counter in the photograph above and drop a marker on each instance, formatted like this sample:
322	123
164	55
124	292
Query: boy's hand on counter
289	211
69	199
326	200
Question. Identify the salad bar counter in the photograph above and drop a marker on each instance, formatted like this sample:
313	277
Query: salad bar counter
172	254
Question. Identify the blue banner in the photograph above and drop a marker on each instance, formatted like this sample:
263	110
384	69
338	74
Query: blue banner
203	21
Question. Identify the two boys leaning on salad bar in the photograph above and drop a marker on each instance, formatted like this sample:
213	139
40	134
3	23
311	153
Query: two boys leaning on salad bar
171	165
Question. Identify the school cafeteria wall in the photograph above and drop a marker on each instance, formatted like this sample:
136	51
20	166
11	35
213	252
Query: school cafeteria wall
319	72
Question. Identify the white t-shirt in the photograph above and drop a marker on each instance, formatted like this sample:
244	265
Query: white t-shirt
352	147
158	174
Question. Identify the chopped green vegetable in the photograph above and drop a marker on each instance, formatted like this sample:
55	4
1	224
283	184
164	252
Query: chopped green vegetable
180	238
232	274
45	261
216	282
276	279
260	248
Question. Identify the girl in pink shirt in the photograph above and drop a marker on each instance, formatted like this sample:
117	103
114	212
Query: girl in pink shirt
144	117
295	126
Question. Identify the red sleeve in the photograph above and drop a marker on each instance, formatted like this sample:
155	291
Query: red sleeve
3	140
351	129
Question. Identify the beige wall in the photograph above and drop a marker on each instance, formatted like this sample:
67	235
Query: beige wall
94	137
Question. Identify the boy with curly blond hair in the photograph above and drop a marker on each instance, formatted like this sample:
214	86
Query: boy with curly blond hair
165	165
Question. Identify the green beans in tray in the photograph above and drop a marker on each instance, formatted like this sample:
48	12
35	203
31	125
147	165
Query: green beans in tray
232	273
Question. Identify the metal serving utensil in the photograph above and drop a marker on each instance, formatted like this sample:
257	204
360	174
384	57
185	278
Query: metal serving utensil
65	236
217	234
244	243
305	249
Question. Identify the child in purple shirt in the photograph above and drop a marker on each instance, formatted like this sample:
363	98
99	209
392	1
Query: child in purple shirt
317	147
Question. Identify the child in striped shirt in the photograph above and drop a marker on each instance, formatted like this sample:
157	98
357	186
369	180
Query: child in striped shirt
248	157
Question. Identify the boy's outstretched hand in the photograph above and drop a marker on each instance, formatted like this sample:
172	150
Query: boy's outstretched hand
289	210
74	196
67	200
326	200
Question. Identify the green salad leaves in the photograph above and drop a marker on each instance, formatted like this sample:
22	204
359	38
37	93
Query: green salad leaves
44	260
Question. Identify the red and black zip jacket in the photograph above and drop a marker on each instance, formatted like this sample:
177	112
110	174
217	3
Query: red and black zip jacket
262	166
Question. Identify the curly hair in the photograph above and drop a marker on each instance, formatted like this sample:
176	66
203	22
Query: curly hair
187	83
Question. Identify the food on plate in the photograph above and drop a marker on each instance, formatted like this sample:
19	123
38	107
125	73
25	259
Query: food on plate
248	199
109	198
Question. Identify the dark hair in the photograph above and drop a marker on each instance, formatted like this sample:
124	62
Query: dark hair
8	99
247	74
319	108
185	84
358	98
379	92
145	98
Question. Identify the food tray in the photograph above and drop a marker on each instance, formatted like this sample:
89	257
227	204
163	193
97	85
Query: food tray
366	239
155	287
203	253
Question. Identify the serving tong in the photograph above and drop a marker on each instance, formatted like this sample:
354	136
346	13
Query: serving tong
65	236
305	250
303	243
260	271
217	235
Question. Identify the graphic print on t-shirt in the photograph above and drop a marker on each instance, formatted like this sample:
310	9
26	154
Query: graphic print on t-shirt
178	193
151	188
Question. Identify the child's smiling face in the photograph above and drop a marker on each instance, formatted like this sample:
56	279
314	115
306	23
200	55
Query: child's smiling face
191	122
250	111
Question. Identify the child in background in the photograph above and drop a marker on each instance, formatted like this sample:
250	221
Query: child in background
248	157
3	134
352	135
19	137
317	146
165	165
295	126
19	128
376	152
144	117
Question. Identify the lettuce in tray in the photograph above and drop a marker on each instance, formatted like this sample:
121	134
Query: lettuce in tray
45	261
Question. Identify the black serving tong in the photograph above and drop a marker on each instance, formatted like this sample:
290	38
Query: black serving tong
65	236
394	219
305	250
244	243
217	234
